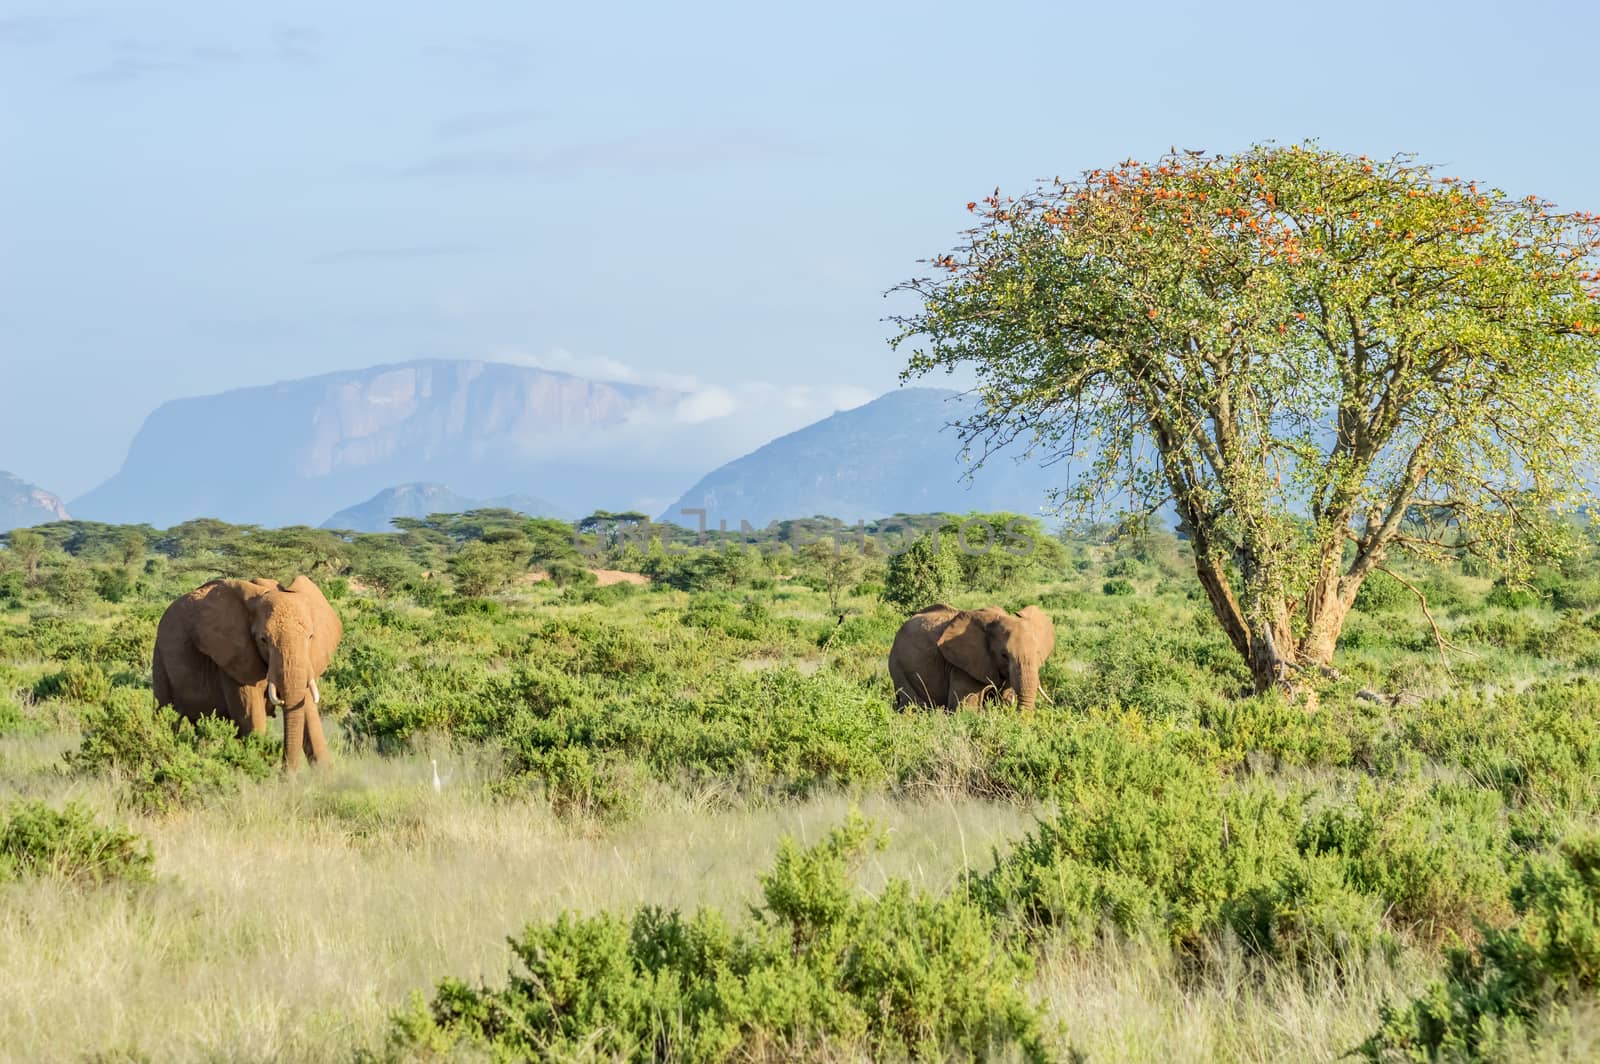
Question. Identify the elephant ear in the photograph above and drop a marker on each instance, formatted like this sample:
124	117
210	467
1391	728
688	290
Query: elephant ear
964	643
1041	627
224	632
326	628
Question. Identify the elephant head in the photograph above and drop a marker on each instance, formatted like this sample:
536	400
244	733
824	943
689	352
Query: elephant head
294	630
1000	648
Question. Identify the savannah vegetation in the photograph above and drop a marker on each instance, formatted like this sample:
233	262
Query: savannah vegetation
1314	778
683	820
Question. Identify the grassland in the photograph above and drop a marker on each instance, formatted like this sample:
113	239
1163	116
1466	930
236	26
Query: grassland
1151	867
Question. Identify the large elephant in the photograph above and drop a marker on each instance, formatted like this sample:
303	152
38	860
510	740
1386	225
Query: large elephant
243	649
943	656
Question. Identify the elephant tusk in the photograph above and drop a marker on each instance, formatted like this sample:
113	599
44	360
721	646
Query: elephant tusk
316	696
272	695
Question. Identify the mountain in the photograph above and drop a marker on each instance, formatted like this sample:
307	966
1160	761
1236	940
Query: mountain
893	455
420	500
23	504
294	452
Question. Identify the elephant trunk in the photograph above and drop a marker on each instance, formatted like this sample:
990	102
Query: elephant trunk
294	735
292	681
1025	682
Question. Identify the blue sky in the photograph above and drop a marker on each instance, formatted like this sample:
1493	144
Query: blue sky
196	196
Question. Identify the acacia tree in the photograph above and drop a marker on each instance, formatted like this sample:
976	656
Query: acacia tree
1300	350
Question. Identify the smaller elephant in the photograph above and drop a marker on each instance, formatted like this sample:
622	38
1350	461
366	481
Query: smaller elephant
245	648
943	656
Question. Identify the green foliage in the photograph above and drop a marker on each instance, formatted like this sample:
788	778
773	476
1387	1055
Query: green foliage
1380	593
569	574
113	585
1212	324
482	569
70	584
1495	996
1508	595
68	844
1119	585
902	975
78	682
922	574
166	762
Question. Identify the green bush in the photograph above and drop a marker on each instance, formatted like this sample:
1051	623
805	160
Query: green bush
569	574
1380	593
818	965
69	844
70	584
1117	586
75	682
1495	997
114	585
924	573
1510	596
165	761
482	569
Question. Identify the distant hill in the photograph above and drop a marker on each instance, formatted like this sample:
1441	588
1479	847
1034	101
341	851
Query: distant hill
299	450
893	455
420	500
23	504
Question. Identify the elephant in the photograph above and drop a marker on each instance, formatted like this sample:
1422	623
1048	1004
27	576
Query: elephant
245	648
943	656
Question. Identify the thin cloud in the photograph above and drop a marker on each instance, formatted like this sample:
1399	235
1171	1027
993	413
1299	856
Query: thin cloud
134	60
637	155
476	123
383	254
20	30
297	45
497	60
596	368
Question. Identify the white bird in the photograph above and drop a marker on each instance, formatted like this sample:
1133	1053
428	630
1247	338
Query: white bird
438	785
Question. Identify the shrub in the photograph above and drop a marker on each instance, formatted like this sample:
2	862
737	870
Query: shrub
114	585
1495	996
1380	593
76	682
386	573
482	569
1117	586
166	761
1511	596
924	573
36	840
71	584
569	574
903	974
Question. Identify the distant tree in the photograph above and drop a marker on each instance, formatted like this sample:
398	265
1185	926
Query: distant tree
922	574
832	568
70	583
133	548
482	569
27	547
1293	346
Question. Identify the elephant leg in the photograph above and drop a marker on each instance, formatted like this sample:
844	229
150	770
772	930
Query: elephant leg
315	739
965	691
160	684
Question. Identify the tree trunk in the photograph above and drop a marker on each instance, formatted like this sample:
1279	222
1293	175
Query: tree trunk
1272	652
1327	606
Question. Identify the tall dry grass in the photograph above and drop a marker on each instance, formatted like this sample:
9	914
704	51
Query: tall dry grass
288	922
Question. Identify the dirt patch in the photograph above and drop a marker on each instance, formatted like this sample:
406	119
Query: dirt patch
804	666
604	577
617	576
